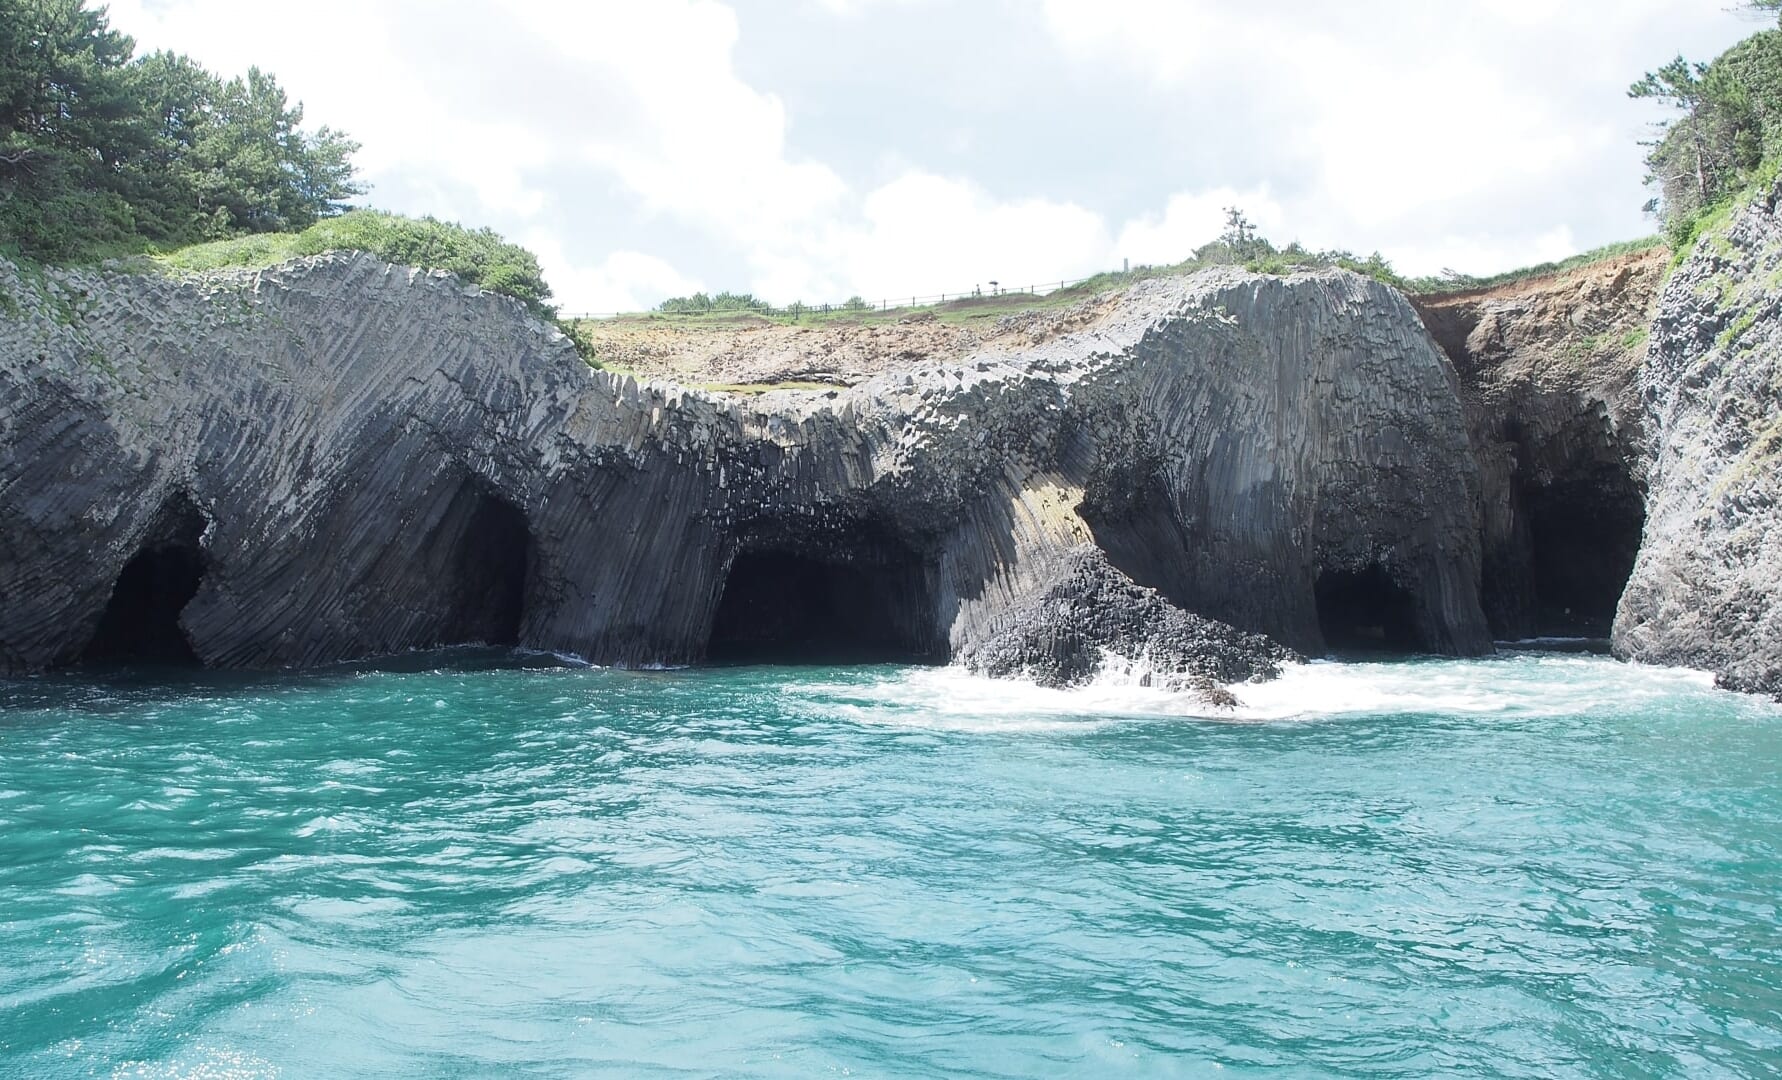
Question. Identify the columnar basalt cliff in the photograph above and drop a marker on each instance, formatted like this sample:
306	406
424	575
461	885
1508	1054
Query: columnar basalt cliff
1706	591
338	458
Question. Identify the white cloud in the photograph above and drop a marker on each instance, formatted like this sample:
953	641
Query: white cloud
478	118
696	141
1168	40
1444	135
623	281
859	7
1482	255
624	144
1190	219
923	233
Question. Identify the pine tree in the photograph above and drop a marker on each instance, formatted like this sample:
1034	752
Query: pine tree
101	154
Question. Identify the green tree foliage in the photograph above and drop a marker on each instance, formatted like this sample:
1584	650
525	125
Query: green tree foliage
66	134
699	303
104	154
1729	125
1240	238
1241	243
252	165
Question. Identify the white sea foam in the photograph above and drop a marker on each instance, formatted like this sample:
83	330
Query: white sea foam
566	659
1507	686
951	698
1515	684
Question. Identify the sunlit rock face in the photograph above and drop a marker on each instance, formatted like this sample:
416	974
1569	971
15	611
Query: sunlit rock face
337	458
1706	591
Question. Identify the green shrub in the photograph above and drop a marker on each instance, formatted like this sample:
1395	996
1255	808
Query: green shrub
700	303
255	249
479	256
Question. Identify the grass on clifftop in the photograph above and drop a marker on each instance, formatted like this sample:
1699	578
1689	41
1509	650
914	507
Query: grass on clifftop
964	311
968	310
1454	283
479	256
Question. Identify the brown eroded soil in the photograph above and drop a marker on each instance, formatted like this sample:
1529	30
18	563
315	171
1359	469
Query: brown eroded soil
1575	327
1580	327
748	353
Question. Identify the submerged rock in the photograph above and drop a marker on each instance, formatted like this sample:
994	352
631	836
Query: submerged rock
1092	617
363	459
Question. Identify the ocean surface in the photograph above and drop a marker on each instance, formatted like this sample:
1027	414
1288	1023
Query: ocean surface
1533	866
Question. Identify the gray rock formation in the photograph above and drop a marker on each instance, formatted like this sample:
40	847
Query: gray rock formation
1706	591
337	458
1093	617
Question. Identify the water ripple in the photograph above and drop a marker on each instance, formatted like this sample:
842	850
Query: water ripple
1529	867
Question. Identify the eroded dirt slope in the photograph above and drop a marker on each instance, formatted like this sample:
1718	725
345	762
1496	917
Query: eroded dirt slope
843	351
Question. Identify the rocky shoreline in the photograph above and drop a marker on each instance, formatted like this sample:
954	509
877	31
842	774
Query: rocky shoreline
336	458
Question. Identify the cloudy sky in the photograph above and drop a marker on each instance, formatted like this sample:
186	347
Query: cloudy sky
815	149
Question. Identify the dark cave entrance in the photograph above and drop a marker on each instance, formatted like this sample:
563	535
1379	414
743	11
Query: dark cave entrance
140	624
1366	611
1577	518
481	563
1583	540
873	604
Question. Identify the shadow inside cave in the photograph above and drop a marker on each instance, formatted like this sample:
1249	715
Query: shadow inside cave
1366	612
140	624
864	602
479	558
1583	540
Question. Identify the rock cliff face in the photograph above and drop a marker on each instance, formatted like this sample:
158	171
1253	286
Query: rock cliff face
1707	589
1549	369
337	458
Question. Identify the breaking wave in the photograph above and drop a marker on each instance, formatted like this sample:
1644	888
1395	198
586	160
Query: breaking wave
1509	685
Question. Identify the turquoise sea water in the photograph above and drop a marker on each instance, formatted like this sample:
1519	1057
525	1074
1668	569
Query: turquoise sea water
1537	866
